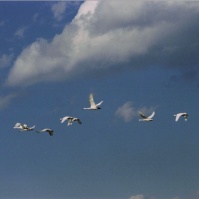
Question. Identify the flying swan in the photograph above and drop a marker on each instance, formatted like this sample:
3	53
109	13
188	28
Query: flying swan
23	127
146	119
70	120
49	131
92	103
177	116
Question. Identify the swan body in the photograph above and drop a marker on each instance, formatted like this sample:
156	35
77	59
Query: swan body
70	120
177	116
93	106
23	127
145	118
49	131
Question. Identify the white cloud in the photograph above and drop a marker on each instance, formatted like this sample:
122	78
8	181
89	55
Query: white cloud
127	112
140	196
58	10
5	60
106	35
5	100
20	32
35	17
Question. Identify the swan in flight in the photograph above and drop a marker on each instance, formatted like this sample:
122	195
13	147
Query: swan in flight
50	131
146	119
177	116
23	127
92	103
70	120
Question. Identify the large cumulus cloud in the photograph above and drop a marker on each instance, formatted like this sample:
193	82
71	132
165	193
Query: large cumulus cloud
107	35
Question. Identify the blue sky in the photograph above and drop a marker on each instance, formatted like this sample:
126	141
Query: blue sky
135	56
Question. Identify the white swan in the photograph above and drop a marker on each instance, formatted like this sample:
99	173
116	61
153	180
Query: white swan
50	131
146	119
23	127
177	116
70	120
92	103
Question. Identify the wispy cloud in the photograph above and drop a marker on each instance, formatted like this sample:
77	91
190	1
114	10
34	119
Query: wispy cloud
5	60
127	112
35	17
58	10
20	32
6	100
100	40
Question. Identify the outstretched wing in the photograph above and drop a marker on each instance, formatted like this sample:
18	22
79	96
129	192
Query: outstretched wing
99	104
142	115
76	119
17	125
65	118
91	100
178	116
151	116
31	128
46	130
79	121
50	133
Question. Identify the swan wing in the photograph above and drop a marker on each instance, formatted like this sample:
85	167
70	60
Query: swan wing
45	130
151	116
65	118
31	128
18	125
178	116
142	115
78	120
99	104
91	100
50	133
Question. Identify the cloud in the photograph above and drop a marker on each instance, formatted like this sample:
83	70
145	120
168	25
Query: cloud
127	112
58	10
5	60
35	17
140	196
5	100
20	32
107	35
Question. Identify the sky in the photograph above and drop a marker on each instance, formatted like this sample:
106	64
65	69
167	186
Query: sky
133	55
